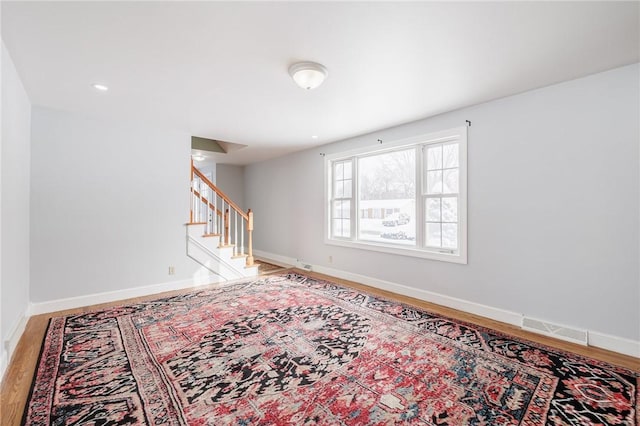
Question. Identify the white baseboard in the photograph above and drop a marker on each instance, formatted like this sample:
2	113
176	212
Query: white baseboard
3	364
428	296
614	343
595	339
114	296
284	261
10	344
14	336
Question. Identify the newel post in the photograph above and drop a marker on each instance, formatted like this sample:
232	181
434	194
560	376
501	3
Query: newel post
250	232
226	227
191	201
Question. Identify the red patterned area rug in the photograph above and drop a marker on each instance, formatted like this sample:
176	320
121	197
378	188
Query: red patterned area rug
294	350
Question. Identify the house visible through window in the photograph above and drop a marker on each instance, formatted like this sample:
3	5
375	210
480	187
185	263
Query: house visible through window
387	185
406	197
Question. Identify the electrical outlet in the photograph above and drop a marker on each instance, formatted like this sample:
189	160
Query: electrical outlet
330	259
172	270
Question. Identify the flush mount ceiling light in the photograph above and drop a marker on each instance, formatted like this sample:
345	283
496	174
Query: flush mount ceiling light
100	87
308	75
198	157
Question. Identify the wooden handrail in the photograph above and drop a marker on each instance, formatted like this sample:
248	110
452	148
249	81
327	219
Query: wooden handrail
207	202
219	192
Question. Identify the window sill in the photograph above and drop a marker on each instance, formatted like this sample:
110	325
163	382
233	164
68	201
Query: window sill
400	251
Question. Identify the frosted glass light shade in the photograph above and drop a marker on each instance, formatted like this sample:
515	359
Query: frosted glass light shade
308	75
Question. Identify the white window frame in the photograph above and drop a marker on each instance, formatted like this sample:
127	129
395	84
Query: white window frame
333	198
459	135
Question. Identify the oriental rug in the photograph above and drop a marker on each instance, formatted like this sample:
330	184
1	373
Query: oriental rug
293	350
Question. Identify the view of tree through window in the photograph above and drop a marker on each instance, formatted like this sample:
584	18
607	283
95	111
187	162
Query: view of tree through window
386	197
441	189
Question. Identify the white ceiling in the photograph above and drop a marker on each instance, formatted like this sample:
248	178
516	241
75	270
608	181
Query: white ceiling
219	70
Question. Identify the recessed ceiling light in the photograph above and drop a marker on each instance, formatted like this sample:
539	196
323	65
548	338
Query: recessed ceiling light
100	87
314	137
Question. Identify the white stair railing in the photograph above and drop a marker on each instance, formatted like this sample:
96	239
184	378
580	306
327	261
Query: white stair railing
211	206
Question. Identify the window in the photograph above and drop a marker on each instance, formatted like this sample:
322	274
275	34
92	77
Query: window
342	189
441	194
387	184
407	197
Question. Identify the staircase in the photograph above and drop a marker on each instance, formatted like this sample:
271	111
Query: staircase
219	233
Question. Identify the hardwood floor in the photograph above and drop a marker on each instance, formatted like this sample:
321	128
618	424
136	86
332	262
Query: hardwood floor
17	380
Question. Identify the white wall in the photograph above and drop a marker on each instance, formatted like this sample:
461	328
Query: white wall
553	206
109	202
14	219
208	168
230	179
3	353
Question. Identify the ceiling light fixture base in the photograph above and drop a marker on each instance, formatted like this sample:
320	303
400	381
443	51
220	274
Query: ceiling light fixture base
308	75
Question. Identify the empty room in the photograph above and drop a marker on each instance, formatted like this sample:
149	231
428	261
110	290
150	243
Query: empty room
320	213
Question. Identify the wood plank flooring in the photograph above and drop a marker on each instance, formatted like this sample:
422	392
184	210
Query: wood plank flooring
17	381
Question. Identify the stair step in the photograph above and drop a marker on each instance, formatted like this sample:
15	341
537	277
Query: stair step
211	235
220	260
